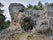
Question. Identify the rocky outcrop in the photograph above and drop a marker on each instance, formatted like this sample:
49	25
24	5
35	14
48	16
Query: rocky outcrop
14	9
45	21
41	19
9	33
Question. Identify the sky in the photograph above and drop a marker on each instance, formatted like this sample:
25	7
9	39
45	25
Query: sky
24	2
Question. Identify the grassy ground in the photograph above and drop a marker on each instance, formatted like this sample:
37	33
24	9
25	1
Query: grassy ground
38	37
22	36
25	36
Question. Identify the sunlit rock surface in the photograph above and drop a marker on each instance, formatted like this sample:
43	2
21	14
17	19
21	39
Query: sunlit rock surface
41	19
14	9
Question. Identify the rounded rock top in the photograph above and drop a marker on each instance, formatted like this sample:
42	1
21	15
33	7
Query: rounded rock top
16	7
16	4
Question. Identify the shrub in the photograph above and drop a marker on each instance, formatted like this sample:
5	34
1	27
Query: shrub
26	24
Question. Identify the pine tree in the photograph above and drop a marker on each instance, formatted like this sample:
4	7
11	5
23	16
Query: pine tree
40	6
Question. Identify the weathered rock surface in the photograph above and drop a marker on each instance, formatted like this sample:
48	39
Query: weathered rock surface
14	9
8	33
41	19
45	21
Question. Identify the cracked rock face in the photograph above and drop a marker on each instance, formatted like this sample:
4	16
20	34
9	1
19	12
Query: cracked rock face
51	24
14	9
42	23
46	21
43	18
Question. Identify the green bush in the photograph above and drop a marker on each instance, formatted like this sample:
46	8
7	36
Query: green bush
26	24
29	7
2	21
3	24
35	7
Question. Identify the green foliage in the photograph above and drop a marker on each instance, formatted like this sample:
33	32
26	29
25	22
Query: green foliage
35	7
2	21
3	24
40	6
1	5
7	23
1	11
29	6
26	24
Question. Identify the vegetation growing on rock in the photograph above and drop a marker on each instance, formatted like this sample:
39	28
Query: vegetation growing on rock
26	24
35	7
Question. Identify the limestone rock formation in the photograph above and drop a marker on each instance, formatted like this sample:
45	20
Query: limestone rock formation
14	9
45	21
41	19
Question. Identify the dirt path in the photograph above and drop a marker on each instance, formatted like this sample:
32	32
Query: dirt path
23	36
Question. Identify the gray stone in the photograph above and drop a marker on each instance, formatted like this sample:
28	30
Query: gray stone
42	26
51	24
50	13
14	9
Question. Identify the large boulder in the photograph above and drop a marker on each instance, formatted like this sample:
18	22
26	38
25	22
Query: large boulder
14	9
45	21
42	27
